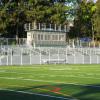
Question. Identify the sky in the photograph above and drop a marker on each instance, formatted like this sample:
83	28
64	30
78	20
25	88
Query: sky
95	0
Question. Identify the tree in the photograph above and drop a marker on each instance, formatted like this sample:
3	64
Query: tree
12	17
84	22
15	13
52	11
4	19
97	20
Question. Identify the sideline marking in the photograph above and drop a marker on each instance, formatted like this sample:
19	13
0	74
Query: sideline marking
54	92
37	94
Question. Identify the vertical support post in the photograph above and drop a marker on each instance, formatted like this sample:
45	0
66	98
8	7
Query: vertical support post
40	56
60	27
93	44
58	57
55	27
0	61
73	45
74	56
22	56
90	57
39	26
11	55
7	57
1	45
49	54
35	25
66	56
99	44
95	51
50	26
44	25
7	41
30	57
83	55
29	26
65	29
81	44
34	45
97	59
89	44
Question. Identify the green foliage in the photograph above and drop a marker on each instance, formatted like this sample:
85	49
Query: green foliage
14	14
11	16
84	21
58	13
97	20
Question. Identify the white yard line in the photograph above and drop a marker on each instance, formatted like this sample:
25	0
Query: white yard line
4	71
43	75
20	78
63	69
38	94
12	85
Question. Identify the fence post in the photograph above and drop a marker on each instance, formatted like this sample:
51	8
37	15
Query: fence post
60	27
11	55
65	29
90	56
97	59
50	26
30	57
7	58
58	55
83	59
21	56
55	27
66	56
7	41
73	45
74	57
82	50
49	54
99	44
39	26
29	26
40	56
0	62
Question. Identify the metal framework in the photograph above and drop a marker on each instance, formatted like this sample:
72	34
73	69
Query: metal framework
48	55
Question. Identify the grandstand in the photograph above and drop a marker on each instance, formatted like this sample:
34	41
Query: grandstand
49	46
42	34
23	55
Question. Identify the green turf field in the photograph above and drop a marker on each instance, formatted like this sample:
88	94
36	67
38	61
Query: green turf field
50	82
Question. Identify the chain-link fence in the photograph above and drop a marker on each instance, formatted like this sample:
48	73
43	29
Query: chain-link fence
12	41
69	42
48	55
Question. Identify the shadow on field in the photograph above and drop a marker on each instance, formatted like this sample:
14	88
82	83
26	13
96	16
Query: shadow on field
78	92
89	92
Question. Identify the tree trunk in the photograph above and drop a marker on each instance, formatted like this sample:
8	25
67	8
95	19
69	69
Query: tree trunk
35	24
17	34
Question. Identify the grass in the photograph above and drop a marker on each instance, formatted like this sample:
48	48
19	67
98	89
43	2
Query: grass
50	82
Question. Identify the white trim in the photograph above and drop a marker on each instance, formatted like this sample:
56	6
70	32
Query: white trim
38	94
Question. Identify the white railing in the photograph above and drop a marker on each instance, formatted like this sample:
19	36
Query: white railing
50	55
46	27
73	43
